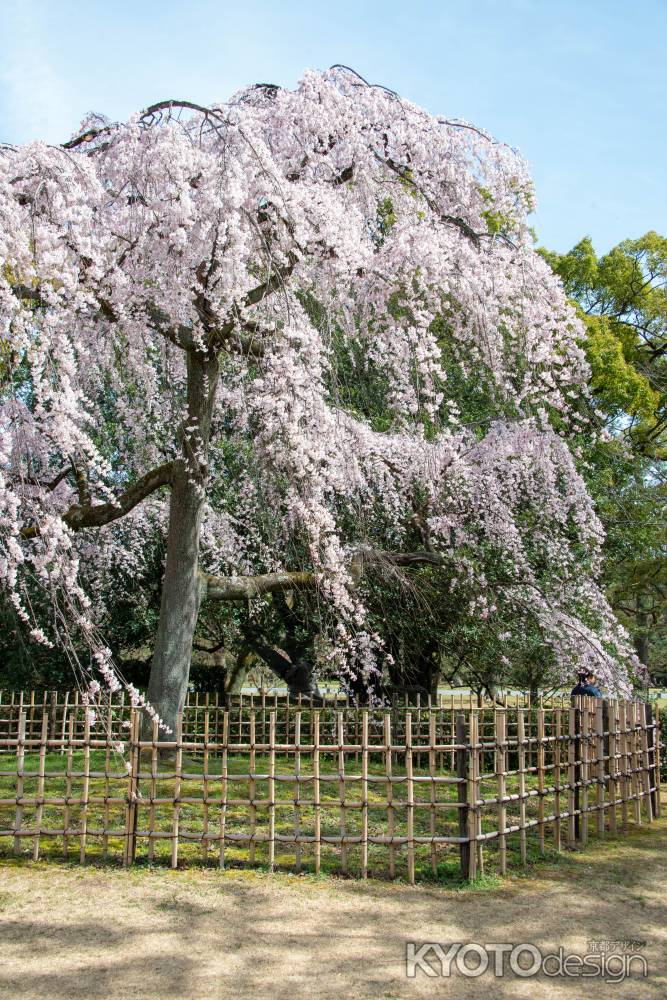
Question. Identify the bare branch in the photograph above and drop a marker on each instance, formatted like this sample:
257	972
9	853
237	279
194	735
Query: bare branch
51	485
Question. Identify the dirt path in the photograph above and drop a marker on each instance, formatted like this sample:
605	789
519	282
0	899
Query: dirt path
71	933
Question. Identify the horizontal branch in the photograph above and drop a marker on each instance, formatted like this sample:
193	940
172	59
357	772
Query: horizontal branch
245	588
377	557
81	516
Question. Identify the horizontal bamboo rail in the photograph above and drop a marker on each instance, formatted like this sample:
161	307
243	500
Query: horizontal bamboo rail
389	791
200	709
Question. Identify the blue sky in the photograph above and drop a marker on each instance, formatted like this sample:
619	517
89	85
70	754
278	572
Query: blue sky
577	85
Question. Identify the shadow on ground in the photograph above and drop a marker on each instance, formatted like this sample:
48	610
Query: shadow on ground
71	933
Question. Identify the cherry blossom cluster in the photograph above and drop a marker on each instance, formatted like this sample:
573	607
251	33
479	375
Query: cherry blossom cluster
279	233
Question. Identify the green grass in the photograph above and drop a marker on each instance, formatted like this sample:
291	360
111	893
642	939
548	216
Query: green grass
438	865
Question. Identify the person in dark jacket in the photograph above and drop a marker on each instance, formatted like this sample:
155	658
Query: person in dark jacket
586	685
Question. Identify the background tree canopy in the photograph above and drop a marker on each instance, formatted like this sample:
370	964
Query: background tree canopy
622	298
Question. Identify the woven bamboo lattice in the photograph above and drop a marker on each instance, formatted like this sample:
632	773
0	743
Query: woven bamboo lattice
416	793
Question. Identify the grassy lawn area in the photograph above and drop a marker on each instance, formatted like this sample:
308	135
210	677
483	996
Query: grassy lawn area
243	802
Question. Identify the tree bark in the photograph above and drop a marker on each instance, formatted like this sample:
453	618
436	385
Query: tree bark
182	587
641	642
237	673
298	673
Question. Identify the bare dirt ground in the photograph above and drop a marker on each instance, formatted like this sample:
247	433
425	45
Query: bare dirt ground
98	933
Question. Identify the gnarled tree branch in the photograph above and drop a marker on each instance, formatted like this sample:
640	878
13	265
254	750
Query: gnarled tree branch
96	515
245	588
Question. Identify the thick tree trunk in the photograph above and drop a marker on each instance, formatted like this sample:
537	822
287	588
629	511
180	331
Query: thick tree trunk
237	673
641	633
179	607
181	588
298	674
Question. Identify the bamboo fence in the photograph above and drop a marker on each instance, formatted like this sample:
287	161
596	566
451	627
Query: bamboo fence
418	792
241	707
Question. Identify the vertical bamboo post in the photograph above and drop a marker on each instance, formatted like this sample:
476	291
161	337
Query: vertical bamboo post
623	751
252	789
577	763
191	717
68	784
558	735
356	730
410	798
106	811
223	786
364	795
521	767
205	809
31	717
432	789
390	794
75	712
20	766
439	732
656	754
654	779
53	716
600	768
297	790
85	789
287	720
341	792
40	784
316	792
272	790
634	762
472	794
572	778
240	735
540	775
136	771
153	791
610	723
64	723
500	750
583	742
131	795
176	812
462	766
645	765
20	709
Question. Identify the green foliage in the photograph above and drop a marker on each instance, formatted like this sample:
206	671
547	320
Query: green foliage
622	299
616	381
